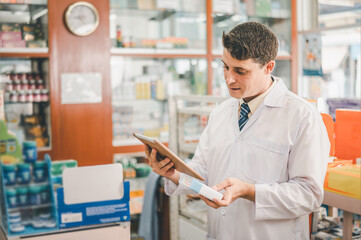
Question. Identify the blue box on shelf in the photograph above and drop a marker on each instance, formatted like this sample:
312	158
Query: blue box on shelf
28	207
74	215
93	195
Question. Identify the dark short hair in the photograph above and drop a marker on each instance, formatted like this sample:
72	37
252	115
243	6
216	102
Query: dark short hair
251	40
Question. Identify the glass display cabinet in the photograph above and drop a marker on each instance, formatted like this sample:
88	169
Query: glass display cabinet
23	25
176	49
274	14
24	85
24	70
334	37
164	54
219	87
162	26
139	95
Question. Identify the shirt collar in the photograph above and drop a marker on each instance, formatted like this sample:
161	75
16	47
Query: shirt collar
276	97
256	102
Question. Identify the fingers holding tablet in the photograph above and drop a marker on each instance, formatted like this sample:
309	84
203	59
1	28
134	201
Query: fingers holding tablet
162	167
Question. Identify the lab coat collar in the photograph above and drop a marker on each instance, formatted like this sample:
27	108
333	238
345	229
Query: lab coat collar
276	98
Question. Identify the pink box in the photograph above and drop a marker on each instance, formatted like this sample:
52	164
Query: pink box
10	36
11	44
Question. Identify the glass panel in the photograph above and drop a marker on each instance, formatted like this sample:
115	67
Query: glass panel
158	26
282	70
24	25
25	83
140	88
340	30
219	84
339	13
275	14
191	115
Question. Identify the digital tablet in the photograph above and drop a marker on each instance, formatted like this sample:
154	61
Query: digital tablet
164	152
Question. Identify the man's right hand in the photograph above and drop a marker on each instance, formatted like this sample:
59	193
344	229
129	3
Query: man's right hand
164	167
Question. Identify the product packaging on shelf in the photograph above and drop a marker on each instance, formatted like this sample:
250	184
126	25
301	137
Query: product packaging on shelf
345	180
10	150
93	195
27	200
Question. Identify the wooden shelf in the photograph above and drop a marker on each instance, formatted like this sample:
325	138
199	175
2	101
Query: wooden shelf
25	52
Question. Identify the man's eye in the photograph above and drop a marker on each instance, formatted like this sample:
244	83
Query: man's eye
225	67
240	72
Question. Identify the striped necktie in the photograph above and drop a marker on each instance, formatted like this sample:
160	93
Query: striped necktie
243	116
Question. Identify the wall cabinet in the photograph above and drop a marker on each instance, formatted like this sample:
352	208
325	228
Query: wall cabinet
177	48
145	52
24	70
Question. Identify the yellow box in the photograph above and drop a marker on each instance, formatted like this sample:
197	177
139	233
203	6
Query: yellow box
345	180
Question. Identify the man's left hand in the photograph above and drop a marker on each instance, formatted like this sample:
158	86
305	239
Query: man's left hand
234	188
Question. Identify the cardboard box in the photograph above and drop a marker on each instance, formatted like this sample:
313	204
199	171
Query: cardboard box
12	44
10	36
93	195
347	134
345	180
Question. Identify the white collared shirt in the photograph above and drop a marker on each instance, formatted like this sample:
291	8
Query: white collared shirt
254	103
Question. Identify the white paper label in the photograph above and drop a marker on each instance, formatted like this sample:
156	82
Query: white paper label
78	88
71	217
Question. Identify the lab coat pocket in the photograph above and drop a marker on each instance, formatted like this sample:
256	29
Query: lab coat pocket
263	160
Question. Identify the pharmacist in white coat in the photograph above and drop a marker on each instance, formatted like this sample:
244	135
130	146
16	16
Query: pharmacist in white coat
265	148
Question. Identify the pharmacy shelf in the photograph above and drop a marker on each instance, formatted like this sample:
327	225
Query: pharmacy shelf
29	207
31	2
31	183
196	110
24	52
183	214
282	55
127	102
131	142
171	53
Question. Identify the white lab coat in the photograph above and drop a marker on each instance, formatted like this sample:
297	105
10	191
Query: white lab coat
283	149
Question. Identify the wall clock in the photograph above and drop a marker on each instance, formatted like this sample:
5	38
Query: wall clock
81	18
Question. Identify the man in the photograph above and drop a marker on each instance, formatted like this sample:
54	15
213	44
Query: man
265	148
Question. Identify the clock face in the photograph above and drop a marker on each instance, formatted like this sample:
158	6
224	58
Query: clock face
82	18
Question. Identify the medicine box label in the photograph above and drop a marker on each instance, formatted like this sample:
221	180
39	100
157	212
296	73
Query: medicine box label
71	217
200	188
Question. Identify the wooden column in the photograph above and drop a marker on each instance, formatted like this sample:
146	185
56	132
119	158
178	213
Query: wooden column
80	131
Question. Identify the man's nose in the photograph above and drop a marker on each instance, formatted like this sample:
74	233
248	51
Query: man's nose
230	78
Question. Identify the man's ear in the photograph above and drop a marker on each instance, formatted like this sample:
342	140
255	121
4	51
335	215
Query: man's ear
269	67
